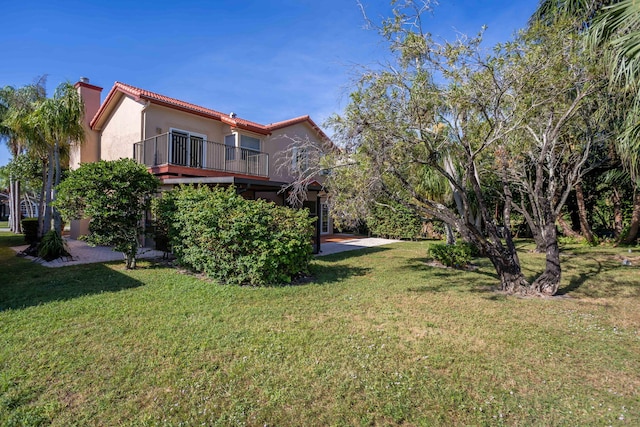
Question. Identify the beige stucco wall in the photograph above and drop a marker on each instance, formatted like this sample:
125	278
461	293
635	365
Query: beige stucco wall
277	144
122	129
160	120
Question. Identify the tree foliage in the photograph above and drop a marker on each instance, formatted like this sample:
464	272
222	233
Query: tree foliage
56	122
463	135
16	106
114	195
612	31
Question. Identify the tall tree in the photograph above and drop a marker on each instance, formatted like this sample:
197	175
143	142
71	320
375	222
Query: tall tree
613	28
59	121
617	30
15	107
470	117
555	140
549	11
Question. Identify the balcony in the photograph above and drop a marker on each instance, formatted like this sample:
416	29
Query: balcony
177	149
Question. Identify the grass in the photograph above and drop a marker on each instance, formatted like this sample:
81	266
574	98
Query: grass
379	338
4	224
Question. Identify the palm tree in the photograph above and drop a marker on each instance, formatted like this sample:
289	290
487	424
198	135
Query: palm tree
15	107
617	30
7	97
549	10
59	121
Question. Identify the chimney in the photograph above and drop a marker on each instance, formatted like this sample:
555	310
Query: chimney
90	95
89	151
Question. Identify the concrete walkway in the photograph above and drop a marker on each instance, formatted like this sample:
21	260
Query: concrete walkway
81	253
329	248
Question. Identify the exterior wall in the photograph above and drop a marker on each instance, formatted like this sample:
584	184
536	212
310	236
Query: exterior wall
278	143
122	129
270	196
158	120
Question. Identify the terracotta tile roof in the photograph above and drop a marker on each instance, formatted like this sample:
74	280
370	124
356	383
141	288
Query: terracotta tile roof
290	122
295	121
235	122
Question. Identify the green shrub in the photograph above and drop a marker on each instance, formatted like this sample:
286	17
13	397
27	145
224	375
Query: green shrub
234	240
30	230
52	246
392	220
458	255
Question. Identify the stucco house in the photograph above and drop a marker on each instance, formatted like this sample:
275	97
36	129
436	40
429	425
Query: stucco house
183	143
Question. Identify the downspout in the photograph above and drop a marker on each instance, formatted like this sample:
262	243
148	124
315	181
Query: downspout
143	122
143	127
147	215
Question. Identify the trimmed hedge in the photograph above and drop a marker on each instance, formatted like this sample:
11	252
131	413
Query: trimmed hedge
393	221
234	240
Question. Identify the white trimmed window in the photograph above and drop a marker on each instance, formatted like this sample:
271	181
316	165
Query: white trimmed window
242	141
250	143
299	159
230	147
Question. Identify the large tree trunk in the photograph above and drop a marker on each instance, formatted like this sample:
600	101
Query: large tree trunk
549	281
46	226
512	281
618	218
14	206
41	199
57	220
537	236
567	231
450	237
635	220
585	228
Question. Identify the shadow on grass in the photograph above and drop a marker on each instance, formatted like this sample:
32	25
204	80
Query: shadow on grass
357	251
24	283
604	279
328	269
331	274
442	279
578	280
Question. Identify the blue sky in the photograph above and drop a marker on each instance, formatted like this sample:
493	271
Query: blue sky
265	60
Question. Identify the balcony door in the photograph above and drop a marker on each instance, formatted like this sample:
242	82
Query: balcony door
187	148
250	153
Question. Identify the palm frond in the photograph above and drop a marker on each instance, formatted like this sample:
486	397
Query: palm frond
549	11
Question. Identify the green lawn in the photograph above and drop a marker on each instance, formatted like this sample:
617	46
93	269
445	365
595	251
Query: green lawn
378	338
4	224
